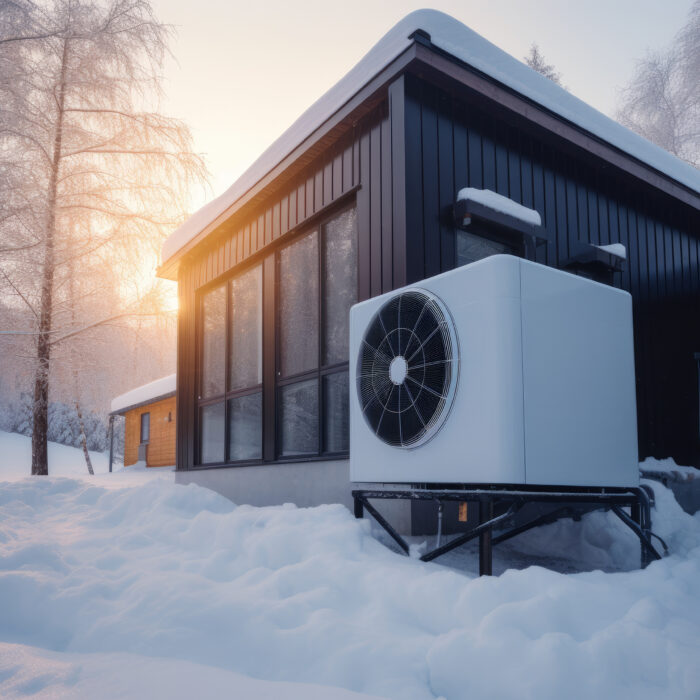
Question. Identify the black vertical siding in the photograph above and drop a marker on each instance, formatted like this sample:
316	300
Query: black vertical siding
186	362
363	167
452	144
404	165
413	174
450	141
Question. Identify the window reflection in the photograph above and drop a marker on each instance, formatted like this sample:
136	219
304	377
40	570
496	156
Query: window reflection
340	284
212	432
471	247
213	342
299	418
336	405
245	358
298	306
245	427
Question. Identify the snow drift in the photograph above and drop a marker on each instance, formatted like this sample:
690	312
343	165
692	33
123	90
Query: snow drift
139	580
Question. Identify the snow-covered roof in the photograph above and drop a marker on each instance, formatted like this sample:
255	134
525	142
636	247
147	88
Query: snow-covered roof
463	43
497	202
158	389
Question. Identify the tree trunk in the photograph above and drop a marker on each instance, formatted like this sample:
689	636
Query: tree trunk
40	415
40	412
74	368
83	439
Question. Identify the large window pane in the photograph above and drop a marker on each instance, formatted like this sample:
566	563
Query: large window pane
298	404
245	368
340	284
213	342
245	427
336	417
471	247
212	434
298	306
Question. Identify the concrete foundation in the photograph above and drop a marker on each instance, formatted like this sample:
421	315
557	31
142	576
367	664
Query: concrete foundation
303	483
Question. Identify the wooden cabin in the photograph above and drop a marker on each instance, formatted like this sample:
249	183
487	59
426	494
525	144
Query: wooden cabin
151	426
358	197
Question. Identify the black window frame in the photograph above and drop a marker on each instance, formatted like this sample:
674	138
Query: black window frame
320	371
228	394
271	442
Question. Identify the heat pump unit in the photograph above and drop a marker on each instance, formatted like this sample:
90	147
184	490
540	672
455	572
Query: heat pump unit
499	372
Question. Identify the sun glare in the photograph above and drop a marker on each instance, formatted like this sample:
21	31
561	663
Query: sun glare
170	300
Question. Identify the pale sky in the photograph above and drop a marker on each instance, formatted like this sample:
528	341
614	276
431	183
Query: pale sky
246	70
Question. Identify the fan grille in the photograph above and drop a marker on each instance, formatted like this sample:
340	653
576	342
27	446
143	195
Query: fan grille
407	369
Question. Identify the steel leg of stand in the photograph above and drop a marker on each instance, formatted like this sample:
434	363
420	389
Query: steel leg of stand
485	551
636	515
358	508
645	524
644	536
385	524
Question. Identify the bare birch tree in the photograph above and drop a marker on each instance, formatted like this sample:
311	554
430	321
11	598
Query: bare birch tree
662	101
94	178
537	62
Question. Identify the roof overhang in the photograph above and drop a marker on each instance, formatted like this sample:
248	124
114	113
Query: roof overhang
154	391
439	66
332	130
155	399
431	62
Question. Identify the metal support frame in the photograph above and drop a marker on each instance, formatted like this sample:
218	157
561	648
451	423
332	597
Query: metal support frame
111	441
497	506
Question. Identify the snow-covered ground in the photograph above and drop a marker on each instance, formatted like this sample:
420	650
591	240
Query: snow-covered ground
16	461
16	458
115	587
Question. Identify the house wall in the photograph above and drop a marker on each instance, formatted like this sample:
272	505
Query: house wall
161	447
453	143
358	168
402	165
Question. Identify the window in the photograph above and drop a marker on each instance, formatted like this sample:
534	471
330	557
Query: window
317	284
481	241
230	398
298	306
307	308
145	428
213	342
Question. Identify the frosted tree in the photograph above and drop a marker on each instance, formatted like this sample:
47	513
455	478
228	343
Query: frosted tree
91	176
662	101
537	62
23	20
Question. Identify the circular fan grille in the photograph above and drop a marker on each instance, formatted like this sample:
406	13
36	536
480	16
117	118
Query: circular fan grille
407	369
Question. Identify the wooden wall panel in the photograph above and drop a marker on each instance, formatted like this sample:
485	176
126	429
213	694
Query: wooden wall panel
161	447
132	430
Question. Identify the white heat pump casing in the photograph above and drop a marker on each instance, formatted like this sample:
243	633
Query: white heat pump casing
545	392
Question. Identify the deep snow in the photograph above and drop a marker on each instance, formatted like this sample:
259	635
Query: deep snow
112	587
